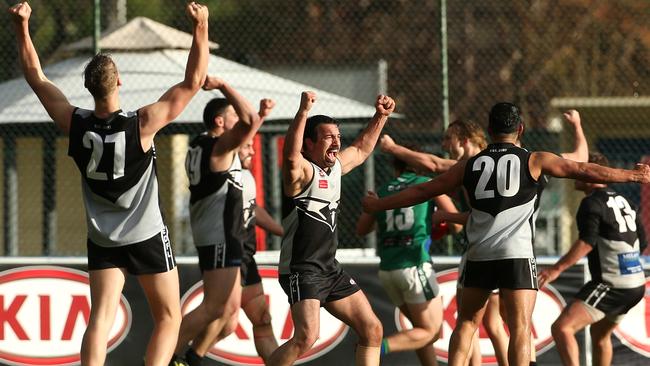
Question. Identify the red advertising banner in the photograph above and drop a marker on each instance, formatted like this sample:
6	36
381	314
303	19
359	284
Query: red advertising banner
44	308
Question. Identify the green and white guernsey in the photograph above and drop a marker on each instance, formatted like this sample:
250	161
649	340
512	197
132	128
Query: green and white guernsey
403	231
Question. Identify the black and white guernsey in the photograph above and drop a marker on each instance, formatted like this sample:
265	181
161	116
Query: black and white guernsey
118	178
310	240
608	222
503	197
249	201
216	203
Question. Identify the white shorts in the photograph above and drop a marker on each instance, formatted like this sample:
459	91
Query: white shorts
412	285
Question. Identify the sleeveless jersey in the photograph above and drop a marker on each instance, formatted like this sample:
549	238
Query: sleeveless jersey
118	179
403	232
608	222
310	240
503	196
216	204
249	200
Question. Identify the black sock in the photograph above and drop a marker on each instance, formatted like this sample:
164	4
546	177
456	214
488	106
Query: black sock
192	358
533	363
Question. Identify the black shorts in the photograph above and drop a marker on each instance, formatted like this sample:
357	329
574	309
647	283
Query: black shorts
249	273
611	301
153	255
326	288
515	273
220	256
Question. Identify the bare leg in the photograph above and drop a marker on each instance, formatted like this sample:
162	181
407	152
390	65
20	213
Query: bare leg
573	318
105	290
493	324
519	306
162	292
257	310
471	307
356	312
601	338
306	321
427	319
221	299
475	357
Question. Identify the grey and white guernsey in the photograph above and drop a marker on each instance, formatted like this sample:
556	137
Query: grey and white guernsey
249	200
503	197
118	178
216	207
310	240
608	222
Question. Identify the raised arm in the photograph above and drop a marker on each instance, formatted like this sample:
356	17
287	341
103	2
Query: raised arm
580	147
578	250
155	116
553	165
355	154
244	130
51	97
296	171
418	193
419	160
266	222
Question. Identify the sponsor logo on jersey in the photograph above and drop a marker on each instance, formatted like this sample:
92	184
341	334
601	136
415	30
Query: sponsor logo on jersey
634	330
239	347
548	307
322	183
45	311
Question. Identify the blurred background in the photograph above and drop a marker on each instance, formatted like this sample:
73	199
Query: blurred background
440	60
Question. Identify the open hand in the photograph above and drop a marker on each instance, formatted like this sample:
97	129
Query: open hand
547	276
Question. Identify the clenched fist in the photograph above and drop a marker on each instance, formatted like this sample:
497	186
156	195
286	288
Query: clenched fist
266	105
384	105
20	12
307	100
197	12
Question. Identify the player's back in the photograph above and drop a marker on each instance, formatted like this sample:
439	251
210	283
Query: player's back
403	232
119	183
216	203
502	194
609	222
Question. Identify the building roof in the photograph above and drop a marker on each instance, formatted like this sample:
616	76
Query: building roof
139	34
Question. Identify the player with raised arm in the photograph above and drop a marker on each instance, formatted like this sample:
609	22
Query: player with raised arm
115	154
217	212
253	301
502	185
611	236
313	164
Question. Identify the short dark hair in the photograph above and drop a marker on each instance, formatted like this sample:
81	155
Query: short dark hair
312	124
598	158
505	118
215	107
100	76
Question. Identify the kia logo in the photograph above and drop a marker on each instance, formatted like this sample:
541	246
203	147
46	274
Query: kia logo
239	349
44	312
548	307
634	330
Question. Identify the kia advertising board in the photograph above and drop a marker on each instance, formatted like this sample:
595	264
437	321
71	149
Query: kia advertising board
44	310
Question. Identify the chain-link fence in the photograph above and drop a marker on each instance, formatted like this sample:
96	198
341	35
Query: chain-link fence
546	56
